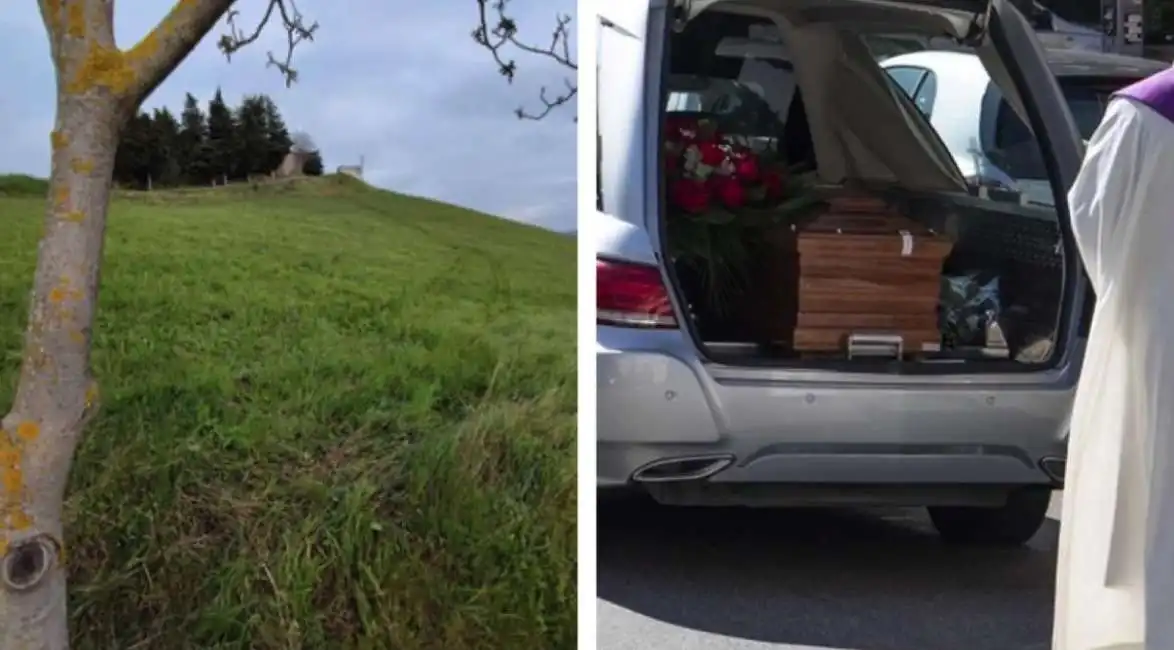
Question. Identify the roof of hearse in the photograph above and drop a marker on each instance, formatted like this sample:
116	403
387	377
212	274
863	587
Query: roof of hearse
1076	63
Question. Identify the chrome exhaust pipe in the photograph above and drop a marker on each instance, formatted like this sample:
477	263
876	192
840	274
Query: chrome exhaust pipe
1054	467
682	468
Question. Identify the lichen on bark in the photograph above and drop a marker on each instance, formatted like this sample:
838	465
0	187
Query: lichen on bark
102	66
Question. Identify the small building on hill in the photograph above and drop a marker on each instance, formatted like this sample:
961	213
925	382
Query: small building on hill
294	163
300	152
355	171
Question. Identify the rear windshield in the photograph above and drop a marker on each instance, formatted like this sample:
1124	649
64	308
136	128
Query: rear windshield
736	71
1008	141
750	97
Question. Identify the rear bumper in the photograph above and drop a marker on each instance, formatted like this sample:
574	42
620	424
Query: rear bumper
892	464
656	406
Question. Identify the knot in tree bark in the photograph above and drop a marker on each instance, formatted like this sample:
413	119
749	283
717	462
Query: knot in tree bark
25	564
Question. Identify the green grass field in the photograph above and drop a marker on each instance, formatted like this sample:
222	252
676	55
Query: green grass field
332	417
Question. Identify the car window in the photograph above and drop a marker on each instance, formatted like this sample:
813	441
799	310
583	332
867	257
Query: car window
1087	111
919	84
1012	146
926	93
1088	102
737	104
681	101
738	69
907	77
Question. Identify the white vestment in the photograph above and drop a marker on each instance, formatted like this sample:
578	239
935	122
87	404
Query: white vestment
1115	579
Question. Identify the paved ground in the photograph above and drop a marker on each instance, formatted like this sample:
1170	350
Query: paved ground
758	580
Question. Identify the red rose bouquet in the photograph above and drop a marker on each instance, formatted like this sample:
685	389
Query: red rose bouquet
706	171
716	190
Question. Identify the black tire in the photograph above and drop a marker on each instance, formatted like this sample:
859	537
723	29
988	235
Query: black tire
1011	524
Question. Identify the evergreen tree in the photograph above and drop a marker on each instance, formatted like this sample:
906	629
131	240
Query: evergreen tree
132	162
252	138
165	167
159	150
193	151
221	136
279	140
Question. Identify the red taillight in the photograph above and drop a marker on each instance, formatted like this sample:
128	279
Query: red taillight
631	295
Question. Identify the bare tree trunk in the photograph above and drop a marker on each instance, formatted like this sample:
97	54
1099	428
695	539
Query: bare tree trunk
57	393
98	88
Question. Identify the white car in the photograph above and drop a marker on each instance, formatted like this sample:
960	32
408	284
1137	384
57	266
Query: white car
994	148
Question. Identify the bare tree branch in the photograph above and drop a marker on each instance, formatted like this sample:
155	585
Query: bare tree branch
162	50
504	34
296	31
166	46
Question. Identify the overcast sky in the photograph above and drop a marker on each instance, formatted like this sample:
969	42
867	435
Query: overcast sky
399	82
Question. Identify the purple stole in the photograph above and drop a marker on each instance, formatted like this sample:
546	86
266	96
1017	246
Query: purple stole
1155	91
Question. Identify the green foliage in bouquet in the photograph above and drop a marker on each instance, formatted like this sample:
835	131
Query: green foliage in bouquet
721	195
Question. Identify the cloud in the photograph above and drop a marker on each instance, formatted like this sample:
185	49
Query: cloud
400	84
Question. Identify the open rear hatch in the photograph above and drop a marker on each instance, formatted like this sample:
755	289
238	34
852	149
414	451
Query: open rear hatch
811	217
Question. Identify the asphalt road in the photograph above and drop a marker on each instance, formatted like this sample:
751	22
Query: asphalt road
790	579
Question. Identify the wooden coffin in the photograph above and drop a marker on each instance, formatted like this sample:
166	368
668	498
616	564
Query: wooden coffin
859	267
770	305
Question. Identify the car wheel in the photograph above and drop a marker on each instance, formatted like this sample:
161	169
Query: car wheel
1011	524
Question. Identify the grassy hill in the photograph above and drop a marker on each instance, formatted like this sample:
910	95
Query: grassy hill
332	417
